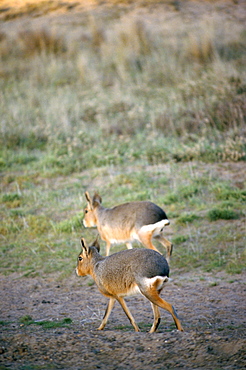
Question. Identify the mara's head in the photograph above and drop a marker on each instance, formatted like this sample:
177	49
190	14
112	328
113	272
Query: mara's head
90	216
84	265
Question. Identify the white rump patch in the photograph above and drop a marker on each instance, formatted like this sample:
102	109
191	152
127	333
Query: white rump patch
161	280
157	227
147	282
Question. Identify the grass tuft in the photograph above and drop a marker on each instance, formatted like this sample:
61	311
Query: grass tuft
222	214
71	225
41	41
187	218
11	197
46	324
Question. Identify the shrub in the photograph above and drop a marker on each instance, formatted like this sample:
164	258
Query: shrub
187	218
179	239
223	192
222	214
11	197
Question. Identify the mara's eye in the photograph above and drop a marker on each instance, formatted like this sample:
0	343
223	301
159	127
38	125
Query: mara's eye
80	258
86	210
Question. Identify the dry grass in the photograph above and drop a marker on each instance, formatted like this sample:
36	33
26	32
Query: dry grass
172	70
40	41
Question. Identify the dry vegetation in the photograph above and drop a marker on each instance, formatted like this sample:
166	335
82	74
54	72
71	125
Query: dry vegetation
137	99
130	73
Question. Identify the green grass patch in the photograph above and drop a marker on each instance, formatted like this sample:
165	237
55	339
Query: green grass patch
236	266
4	323
183	194
209	248
70	225
187	218
46	324
10	197
222	214
179	239
226	193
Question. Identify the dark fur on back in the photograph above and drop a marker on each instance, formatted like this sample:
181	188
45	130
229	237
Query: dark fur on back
151	214
138	262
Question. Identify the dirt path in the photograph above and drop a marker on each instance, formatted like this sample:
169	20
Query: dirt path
211	308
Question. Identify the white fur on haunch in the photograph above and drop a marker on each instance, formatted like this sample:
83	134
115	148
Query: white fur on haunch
127	223
156	227
160	280
148	282
125	273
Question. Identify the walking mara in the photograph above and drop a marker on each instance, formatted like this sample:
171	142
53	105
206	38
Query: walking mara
128	222
125	273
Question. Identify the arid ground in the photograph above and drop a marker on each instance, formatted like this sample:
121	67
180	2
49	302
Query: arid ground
211	308
49	322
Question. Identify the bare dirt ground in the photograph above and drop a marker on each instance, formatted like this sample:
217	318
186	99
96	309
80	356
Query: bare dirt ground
211	309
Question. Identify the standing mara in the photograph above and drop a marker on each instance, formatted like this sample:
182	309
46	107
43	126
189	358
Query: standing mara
128	222
125	273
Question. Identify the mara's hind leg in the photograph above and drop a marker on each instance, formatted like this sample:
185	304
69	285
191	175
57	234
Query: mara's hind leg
166	243
108	245
153	295
157	318
129	245
146	240
128	313
107	313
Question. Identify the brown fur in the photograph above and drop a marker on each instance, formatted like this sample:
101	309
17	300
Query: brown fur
124	273
128	222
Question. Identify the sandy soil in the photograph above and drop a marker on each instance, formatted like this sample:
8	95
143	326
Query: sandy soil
211	309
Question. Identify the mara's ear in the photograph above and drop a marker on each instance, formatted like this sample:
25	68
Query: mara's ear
87	196
89	201
97	200
96	244
85	248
